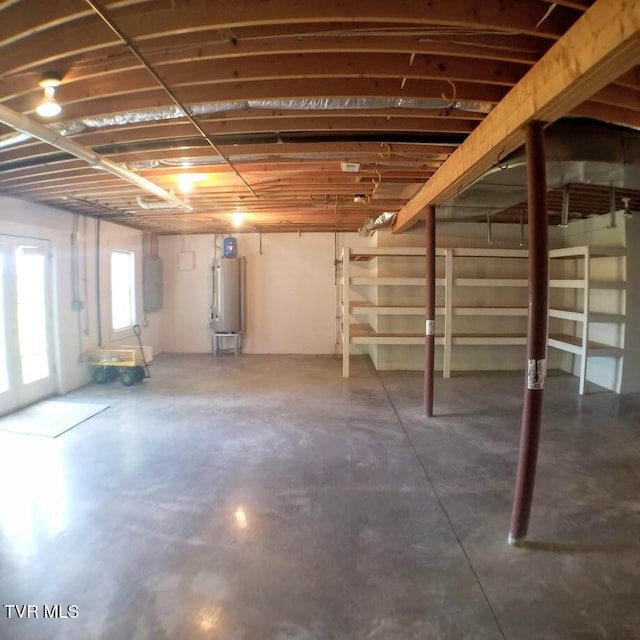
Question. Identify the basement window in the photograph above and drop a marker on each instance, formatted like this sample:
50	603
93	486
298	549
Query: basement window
123	290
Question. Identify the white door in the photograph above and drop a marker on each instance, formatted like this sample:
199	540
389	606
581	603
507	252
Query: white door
26	371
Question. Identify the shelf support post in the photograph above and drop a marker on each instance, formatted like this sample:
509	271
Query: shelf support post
585	319
537	332
430	307
448	312
346	311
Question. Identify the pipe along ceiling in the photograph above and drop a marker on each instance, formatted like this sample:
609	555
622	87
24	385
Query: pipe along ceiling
34	129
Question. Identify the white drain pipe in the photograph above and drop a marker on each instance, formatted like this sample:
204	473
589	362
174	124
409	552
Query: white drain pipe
34	129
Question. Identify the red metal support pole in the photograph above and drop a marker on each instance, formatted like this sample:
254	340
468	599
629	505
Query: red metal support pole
430	307
537	332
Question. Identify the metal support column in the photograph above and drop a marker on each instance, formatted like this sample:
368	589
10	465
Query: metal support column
537	332
430	307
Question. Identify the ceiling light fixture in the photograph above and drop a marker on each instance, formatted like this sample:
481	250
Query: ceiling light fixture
237	219
49	106
186	181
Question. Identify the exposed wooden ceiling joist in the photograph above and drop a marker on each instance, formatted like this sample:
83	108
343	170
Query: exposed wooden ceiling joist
288	91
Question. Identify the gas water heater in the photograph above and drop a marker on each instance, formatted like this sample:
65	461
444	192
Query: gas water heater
228	308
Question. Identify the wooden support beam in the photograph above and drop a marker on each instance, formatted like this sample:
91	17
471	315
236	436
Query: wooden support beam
603	44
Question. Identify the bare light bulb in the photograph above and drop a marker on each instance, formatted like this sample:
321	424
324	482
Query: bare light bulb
49	106
237	219
186	183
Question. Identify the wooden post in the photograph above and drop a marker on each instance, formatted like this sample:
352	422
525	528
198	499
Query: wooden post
346	310
448	313
537	332
430	307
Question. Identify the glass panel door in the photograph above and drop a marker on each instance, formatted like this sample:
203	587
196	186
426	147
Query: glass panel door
25	323
31	275
7	401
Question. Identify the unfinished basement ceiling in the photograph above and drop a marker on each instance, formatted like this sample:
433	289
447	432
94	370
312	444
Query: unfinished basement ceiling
280	95
595	161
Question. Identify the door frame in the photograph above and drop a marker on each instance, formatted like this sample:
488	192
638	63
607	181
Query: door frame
20	394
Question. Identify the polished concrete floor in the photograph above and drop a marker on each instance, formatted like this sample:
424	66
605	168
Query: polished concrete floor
264	497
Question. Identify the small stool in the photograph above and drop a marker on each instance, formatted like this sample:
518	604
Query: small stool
216	343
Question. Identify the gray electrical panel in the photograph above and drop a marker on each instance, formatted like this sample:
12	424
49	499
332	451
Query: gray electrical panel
151	284
228	308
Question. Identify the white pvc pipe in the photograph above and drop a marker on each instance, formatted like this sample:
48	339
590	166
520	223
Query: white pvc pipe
34	129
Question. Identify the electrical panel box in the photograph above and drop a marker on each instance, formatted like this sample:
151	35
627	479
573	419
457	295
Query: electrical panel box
152	298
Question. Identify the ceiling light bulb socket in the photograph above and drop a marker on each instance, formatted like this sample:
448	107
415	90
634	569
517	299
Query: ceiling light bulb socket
50	79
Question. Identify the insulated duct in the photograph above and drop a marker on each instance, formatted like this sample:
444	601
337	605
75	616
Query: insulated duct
63	128
373	224
36	130
143	203
160	114
576	151
293	104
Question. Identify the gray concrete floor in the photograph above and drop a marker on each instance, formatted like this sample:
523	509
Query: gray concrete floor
264	497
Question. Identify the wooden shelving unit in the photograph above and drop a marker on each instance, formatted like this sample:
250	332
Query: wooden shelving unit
574	319
364	333
578	341
493	288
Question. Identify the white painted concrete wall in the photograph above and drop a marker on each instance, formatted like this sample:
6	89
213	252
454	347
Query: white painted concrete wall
292	295
76	331
630	382
463	358
291	292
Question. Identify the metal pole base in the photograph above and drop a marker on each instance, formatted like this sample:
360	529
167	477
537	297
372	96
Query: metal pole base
513	541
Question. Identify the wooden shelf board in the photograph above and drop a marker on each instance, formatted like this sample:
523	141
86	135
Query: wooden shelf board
567	314
615	318
490	282
490	311
606	284
573	344
370	308
480	252
366	334
580	283
576	315
478	339
396	281
369	253
567	283
581	252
